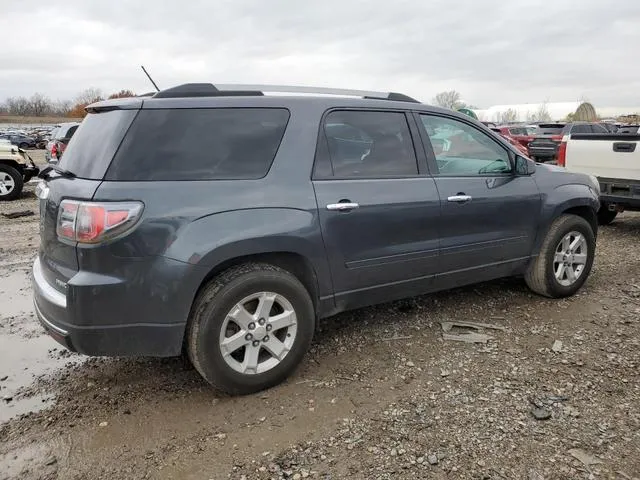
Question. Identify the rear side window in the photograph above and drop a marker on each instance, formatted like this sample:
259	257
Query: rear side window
367	144
200	144
94	143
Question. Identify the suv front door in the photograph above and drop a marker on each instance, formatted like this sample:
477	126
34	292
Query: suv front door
378	209
489	213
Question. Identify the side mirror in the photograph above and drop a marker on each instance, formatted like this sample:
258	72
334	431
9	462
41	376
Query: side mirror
524	166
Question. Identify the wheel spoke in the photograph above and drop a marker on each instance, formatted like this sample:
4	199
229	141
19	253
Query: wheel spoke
234	342
566	243
276	348
580	258
264	305
3	190
241	317
571	274
576	244
560	271
559	257
285	319
250	363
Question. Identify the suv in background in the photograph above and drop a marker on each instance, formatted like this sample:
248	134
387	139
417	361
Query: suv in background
58	141
19	140
519	133
225	222
544	147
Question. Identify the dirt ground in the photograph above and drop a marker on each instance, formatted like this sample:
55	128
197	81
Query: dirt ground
380	395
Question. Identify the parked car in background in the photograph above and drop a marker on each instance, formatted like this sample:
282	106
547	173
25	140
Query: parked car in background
523	150
628	129
20	140
615	160
251	250
59	140
519	133
544	147
16	168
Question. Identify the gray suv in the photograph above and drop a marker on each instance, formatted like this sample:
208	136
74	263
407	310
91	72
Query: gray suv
224	223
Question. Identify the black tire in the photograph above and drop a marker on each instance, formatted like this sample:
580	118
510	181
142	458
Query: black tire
23	145
540	276
17	180
213	304
606	216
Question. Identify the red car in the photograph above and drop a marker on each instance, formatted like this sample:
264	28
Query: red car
519	134
512	140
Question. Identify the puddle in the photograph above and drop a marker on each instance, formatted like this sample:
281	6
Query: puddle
26	351
15	293
28	458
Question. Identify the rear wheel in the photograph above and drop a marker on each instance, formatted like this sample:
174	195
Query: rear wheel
565	259
24	146
606	216
10	183
250	328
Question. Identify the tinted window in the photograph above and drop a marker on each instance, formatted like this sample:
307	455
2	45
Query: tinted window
550	129
581	128
518	131
200	144
460	149
368	144
95	142
596	128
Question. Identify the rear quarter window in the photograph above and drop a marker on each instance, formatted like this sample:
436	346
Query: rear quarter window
200	144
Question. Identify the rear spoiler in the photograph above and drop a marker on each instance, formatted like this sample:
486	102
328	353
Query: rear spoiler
128	103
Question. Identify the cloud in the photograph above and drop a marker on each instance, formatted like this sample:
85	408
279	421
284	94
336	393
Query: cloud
493	52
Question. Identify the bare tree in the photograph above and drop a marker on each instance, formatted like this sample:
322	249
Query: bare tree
39	105
90	95
450	99
509	116
18	106
61	108
122	94
540	115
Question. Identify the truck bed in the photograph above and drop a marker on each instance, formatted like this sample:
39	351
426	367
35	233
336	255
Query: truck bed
610	156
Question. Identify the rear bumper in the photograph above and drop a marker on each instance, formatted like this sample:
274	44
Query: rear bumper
56	311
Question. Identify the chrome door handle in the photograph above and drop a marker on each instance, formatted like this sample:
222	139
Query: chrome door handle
459	198
342	207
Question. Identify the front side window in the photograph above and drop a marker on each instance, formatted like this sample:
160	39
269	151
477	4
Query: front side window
367	144
462	150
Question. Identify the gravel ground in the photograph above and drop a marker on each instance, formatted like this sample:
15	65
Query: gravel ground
553	394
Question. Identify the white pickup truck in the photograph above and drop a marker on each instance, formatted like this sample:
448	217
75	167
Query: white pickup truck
615	160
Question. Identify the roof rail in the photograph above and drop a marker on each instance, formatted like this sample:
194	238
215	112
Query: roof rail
224	90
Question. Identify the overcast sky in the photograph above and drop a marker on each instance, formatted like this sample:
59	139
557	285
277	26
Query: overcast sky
492	52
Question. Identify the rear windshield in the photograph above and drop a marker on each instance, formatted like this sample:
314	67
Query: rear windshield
552	129
95	142
518	131
200	144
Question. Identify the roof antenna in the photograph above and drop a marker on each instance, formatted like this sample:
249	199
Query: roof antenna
149	77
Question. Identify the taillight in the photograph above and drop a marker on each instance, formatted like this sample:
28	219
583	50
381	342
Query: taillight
562	151
95	222
54	150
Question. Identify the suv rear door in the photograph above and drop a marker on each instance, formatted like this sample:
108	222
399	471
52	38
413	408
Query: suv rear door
86	159
379	210
489	213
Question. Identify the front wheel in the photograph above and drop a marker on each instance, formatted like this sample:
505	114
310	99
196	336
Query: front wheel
565	258
249	328
10	183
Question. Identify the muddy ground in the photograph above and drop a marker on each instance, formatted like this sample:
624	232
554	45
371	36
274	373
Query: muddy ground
380	395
